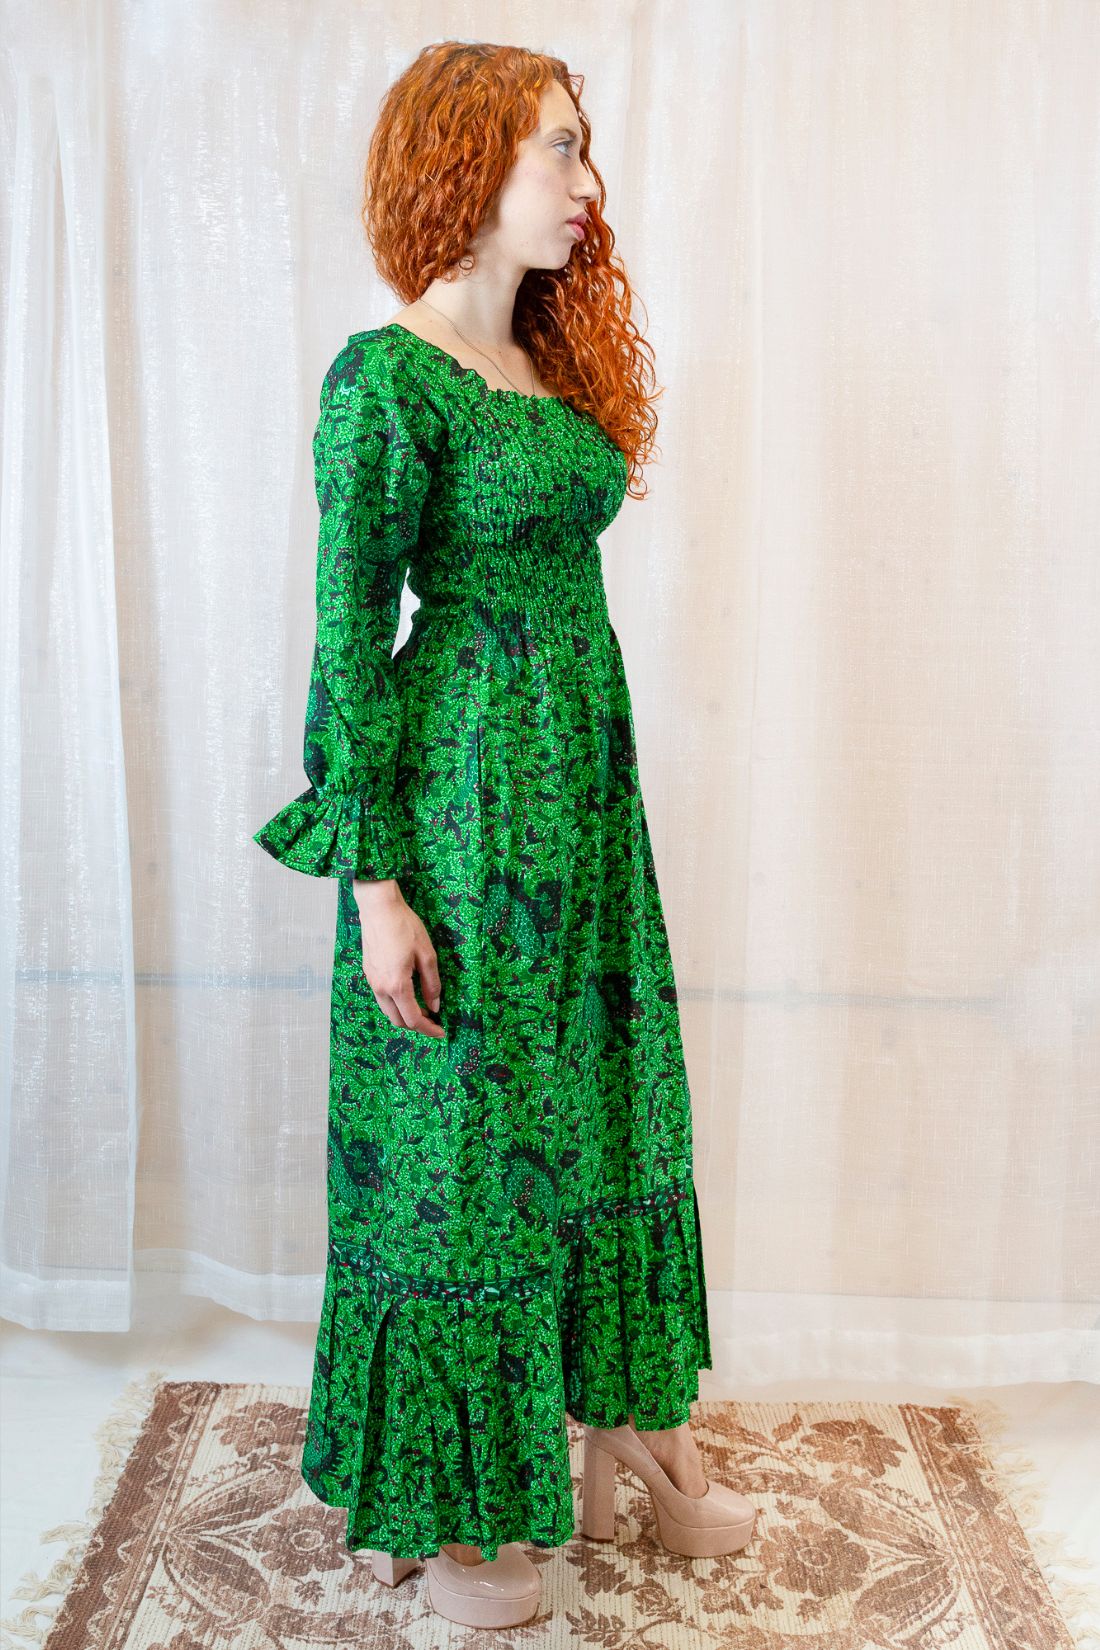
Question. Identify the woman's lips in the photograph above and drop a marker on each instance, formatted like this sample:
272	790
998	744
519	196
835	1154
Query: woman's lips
578	228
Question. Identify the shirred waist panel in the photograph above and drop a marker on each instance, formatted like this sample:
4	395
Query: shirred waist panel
581	610
547	583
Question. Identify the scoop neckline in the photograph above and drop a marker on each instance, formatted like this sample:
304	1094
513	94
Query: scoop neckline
465	371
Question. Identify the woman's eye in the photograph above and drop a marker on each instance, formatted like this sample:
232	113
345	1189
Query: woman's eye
566	141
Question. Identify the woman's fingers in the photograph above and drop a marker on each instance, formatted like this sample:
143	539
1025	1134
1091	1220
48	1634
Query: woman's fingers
396	944
427	966
412	1015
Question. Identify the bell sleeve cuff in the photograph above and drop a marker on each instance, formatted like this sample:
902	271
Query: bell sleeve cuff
335	834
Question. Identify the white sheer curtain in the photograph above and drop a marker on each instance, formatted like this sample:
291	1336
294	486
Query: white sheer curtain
859	612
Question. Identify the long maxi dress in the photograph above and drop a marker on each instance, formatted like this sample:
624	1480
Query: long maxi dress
513	1225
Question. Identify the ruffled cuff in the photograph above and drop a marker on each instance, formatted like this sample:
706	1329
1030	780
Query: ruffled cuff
335	834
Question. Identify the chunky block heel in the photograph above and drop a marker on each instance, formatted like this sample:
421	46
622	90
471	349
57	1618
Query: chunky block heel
391	1570
597	1491
698	1526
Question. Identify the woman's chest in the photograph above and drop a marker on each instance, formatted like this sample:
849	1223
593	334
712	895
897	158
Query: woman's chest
520	465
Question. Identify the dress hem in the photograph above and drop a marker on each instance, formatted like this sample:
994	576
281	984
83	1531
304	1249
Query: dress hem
438	1415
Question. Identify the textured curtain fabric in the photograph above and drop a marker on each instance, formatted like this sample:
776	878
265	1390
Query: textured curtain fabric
859	613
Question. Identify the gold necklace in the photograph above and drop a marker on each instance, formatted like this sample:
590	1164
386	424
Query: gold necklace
481	352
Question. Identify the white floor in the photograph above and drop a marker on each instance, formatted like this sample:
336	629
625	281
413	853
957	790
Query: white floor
55	1388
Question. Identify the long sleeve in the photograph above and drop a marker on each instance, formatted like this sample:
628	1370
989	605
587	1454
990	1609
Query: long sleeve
371	482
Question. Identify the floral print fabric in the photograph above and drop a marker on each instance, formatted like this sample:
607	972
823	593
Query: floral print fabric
513	1225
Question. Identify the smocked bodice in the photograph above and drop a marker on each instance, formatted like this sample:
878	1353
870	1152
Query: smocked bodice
519	488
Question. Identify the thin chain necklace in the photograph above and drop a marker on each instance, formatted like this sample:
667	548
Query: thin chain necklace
481	352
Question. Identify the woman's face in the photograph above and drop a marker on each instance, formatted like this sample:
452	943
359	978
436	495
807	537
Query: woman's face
546	187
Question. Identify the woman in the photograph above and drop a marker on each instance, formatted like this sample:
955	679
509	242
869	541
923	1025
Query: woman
514	1233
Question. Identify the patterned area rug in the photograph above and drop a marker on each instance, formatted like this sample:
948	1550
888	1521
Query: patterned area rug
886	1525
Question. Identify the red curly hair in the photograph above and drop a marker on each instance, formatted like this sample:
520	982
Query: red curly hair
574	322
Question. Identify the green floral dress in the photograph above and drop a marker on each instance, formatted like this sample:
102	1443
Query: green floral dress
513	1226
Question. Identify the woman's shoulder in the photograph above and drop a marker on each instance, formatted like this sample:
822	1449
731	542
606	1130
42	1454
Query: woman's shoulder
375	369
370	360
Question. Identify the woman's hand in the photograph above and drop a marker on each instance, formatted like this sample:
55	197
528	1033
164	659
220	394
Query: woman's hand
395	944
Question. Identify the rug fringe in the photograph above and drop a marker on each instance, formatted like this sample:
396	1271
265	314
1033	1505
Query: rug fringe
1078	1601
115	1436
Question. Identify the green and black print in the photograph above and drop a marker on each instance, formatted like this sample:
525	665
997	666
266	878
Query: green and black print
513	1226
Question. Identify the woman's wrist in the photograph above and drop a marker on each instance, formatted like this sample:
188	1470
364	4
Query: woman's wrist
376	888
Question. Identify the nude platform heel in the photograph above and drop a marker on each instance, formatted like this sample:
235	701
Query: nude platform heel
500	1592
698	1526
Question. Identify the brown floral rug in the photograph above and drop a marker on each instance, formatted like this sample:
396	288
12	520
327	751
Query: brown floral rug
880	1525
